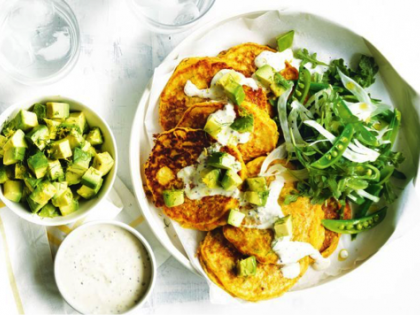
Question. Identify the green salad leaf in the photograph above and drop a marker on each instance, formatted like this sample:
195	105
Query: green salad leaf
306	57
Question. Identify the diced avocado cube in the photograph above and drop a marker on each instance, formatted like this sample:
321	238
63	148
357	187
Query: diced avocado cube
73	207
25	194
265	75
65	198
258	198
52	127
88	193
283	227
35	207
213	127
173	198
92	151
91	178
73	178
247	267
38	164
60	149
243	124
39	136
3	174
9	128
103	162
43	193
210	177
3	141
76	139
49	211
58	110
277	89
17	140
13	189
81	158
235	217
55	170
257	184
31	182
78	119
60	188
235	92
95	136
20	171
221	160
231	180
66	128
25	120
229	77
13	155
285	41
41	112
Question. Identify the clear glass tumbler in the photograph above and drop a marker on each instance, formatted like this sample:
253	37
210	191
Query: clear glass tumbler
170	16
39	40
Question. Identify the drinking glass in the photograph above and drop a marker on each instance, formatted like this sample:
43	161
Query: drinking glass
39	40
170	16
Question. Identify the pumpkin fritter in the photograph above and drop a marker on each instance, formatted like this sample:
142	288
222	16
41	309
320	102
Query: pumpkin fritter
219	257
306	220
263	139
200	71
174	150
242	56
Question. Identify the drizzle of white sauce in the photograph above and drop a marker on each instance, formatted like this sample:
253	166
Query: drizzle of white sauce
290	252
228	136
343	255
216	92
194	187
271	212
277	60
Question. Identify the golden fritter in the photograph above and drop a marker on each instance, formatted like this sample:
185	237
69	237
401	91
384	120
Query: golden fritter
263	139
306	220
200	71
242	56
330	209
219	257
174	150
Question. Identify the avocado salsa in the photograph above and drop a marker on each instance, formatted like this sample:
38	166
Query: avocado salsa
50	158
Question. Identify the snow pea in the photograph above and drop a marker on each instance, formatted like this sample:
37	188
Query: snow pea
337	150
355	226
365	136
302	85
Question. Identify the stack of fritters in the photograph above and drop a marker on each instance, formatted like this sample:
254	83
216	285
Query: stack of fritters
183	118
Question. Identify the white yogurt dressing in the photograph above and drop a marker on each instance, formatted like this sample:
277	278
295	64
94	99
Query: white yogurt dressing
216	92
194	188
227	135
278	60
291	252
104	269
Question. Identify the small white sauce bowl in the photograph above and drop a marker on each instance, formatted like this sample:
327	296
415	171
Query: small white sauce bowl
128	228
109	145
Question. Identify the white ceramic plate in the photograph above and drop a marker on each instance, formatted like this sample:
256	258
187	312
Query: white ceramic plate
396	90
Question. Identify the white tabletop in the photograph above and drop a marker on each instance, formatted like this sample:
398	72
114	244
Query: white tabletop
117	60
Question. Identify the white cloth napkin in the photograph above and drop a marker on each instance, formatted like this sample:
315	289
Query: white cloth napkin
27	252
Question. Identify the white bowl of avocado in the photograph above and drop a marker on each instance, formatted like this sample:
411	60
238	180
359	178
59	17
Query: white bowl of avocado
57	160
